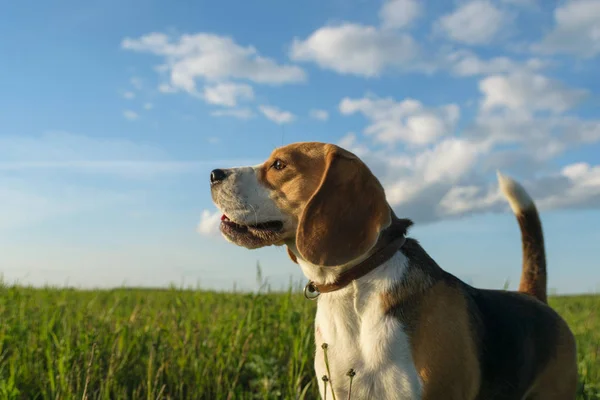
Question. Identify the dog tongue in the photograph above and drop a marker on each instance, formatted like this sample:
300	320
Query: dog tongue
224	217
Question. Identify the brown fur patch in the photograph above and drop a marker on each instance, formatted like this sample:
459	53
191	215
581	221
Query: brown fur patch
436	319
533	275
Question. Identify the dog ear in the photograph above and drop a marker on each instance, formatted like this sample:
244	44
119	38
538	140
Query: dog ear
344	216
292	255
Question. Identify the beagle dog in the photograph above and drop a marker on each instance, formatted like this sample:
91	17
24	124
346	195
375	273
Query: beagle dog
390	323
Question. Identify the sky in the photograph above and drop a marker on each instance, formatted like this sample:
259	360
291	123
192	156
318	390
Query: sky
113	113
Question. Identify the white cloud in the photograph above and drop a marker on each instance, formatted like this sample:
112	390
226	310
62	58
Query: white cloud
130	115
350	141
448	160
448	181
575	186
411	175
462	200
209	223
474	22
213	58
148	106
466	63
415	182
576	31
239	113
582	187
523	114
534	139
395	14
129	95
408	121
528	92
227	94
356	49
320	115
446	175
276	115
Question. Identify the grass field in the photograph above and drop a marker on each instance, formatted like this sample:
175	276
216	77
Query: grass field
185	344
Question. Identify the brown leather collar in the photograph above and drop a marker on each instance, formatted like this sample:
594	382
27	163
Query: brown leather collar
390	241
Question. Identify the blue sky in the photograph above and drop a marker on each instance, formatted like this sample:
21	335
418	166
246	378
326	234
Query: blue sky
114	113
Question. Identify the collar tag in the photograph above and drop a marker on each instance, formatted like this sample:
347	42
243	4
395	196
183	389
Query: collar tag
310	291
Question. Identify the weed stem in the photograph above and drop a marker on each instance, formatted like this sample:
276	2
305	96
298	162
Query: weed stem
324	347
351	374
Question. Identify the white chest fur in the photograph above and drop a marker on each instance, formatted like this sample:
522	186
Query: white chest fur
360	336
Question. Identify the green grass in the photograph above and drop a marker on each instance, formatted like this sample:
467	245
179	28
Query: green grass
176	344
582	315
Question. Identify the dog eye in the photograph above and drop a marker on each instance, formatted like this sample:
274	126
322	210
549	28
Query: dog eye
278	165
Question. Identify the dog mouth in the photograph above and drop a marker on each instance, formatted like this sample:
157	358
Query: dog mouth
263	227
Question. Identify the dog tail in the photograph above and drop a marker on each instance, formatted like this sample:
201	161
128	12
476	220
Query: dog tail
533	274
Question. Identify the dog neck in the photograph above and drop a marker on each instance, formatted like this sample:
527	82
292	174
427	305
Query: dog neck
330	279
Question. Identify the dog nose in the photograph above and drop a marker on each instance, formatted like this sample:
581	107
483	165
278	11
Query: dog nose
217	175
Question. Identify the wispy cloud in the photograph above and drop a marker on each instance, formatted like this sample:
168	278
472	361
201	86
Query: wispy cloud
239	113
276	115
473	22
321	115
406	121
108	166
382	47
335	48
528	92
217	62
136	82
130	115
213	57
84	154
227	94
58	174
576	30
209	223
27	202
397	14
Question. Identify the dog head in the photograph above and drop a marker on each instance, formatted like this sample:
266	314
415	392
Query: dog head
316	198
